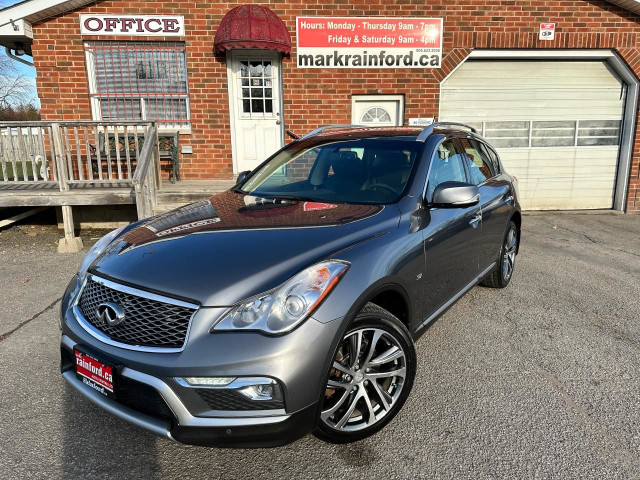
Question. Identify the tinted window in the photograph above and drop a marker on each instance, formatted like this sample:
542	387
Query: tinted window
480	165
447	166
368	170
495	162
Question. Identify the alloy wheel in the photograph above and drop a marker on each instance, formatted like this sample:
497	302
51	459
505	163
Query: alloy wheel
365	381
509	257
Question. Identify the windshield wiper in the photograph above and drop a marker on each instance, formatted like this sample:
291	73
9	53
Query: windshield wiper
288	197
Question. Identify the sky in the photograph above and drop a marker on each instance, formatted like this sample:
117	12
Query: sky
25	70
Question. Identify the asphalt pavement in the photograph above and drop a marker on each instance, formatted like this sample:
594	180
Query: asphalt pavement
540	380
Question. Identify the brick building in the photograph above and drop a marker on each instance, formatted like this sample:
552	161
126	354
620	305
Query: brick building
552	84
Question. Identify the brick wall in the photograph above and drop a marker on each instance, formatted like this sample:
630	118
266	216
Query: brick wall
314	97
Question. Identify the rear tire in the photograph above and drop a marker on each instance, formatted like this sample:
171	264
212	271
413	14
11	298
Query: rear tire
370	377
501	275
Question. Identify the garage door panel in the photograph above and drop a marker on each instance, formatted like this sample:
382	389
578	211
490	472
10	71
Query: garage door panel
553	172
533	74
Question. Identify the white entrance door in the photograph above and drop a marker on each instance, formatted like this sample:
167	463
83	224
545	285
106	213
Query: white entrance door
377	110
254	92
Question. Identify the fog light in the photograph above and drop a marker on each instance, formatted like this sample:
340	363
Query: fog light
262	392
209	381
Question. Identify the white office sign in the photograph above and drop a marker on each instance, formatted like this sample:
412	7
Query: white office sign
133	25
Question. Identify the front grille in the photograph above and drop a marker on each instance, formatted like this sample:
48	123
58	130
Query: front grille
228	399
142	398
147	322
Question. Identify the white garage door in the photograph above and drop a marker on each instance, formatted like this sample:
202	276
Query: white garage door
555	124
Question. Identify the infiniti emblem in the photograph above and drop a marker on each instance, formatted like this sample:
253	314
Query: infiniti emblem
110	313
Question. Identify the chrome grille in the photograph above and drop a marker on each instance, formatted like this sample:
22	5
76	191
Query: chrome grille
148	322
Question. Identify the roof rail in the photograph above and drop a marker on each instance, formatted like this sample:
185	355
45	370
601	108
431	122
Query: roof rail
318	130
424	134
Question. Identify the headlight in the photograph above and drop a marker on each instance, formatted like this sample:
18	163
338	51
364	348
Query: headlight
284	308
96	250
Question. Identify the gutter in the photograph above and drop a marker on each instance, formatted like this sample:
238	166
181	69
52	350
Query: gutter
16	58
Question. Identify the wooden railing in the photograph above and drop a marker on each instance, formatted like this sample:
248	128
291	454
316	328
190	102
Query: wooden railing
87	151
146	179
83	154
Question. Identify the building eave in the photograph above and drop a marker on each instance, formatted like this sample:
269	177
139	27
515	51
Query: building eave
16	20
632	5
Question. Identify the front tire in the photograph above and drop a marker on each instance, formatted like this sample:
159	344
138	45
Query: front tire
370	377
501	275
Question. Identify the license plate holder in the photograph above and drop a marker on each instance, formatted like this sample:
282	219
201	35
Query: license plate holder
95	373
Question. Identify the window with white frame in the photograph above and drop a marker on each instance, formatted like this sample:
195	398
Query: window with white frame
256	81
139	81
558	133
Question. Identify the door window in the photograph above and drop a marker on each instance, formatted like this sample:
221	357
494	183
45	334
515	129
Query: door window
490	153
481	167
447	166
256	83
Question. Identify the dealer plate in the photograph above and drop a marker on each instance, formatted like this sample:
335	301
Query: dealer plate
95	374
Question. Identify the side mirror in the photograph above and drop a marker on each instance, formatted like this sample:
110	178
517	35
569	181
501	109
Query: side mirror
242	176
455	195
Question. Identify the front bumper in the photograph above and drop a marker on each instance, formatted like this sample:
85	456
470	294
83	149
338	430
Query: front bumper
298	361
232	432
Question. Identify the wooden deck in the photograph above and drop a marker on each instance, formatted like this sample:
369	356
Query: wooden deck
65	164
79	163
22	194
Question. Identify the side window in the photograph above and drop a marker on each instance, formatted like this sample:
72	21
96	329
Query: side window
447	166
495	162
480	165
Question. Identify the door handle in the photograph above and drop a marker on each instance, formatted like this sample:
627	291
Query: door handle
475	220
278	122
509	200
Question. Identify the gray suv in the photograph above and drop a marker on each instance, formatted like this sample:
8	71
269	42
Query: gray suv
290	304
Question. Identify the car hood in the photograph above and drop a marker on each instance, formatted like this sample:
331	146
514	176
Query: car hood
229	247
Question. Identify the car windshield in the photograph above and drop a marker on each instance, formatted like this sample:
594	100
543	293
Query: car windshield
369	170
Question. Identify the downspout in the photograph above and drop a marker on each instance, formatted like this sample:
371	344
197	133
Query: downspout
16	58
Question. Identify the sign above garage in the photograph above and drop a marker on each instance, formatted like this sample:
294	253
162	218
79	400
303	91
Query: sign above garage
132	25
369	42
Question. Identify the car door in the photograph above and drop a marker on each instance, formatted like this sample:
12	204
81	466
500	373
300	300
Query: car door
496	199
451	236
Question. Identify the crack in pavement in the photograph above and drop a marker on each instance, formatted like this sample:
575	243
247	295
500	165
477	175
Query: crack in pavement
4	336
570	230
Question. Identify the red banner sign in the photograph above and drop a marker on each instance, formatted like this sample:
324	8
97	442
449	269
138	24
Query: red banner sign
369	42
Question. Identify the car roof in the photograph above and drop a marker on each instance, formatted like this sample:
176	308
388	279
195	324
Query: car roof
405	133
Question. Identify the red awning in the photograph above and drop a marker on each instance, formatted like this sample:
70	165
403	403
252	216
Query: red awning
252	26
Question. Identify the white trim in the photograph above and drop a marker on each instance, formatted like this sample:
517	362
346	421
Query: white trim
375	98
22	29
37	10
541	54
232	113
